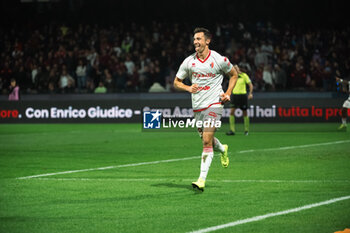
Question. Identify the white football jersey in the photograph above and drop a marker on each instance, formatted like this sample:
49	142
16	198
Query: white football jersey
208	74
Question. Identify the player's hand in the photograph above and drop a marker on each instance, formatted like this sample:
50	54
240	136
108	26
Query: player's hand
225	98
250	96
193	88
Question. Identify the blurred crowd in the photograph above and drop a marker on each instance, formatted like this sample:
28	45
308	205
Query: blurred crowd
134	57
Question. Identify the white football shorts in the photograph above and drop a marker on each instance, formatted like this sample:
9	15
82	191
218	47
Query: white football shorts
212	114
347	103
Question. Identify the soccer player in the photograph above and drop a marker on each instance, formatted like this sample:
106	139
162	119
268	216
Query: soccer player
206	69
240	100
346	104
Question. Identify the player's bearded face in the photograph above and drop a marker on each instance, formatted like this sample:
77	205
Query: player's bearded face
200	42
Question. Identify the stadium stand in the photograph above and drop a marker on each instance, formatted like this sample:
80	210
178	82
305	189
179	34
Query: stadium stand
130	56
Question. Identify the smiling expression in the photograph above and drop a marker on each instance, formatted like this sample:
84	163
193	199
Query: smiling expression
200	42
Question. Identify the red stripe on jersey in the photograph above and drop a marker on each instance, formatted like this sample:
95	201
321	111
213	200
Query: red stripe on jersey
205	58
202	109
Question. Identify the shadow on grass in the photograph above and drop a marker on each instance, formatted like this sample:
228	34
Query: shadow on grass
172	185
179	186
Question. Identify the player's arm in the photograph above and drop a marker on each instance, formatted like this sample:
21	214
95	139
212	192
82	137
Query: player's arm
178	84
250	95
225	97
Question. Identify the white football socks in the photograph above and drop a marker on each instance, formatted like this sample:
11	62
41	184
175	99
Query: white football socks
207	157
218	146
343	120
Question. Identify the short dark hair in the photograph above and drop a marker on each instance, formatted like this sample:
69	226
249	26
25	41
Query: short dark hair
206	32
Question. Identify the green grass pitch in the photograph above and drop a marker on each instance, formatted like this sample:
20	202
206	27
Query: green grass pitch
277	167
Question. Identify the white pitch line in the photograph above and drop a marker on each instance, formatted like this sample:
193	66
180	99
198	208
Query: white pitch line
295	147
282	181
109	167
177	180
270	215
174	160
106	179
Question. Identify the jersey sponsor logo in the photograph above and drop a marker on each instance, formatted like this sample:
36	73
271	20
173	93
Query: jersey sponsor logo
193	64
207	75
212	65
205	88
